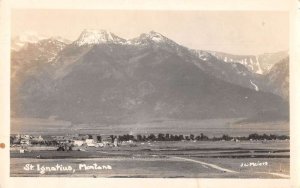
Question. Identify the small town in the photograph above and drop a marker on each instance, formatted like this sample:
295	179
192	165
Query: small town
81	142
63	143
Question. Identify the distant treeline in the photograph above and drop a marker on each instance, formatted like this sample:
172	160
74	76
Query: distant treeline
201	137
164	137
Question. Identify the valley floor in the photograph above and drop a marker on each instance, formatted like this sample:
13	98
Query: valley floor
204	159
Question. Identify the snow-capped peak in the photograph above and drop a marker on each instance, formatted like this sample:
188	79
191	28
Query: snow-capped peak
150	38
20	41
157	37
204	55
153	36
88	37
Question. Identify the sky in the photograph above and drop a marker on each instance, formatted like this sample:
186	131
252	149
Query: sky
236	32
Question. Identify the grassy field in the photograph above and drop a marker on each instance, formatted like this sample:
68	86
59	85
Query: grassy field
165	160
181	159
210	127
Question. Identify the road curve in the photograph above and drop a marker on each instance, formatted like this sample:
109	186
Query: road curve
207	164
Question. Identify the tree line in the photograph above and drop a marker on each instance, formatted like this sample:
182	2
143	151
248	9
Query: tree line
169	137
201	137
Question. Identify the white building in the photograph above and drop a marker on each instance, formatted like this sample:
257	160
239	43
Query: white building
90	142
78	142
25	136
23	141
116	142
38	138
100	145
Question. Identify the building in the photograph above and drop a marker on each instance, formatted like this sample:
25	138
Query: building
116	142
78	142
25	136
25	141
100	145
107	141
38	138
90	142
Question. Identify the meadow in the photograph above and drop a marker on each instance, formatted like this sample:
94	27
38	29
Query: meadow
201	159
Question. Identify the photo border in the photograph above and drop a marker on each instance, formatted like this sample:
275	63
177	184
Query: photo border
222	5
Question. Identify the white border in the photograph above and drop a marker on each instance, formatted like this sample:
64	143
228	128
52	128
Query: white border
238	5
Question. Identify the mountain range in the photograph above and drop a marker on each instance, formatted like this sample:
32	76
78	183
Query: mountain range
101	77
260	64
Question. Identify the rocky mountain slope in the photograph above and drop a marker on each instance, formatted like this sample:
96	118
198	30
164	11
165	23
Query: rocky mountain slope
278	76
260	64
101	77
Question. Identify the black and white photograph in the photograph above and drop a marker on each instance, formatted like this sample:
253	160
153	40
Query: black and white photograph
150	94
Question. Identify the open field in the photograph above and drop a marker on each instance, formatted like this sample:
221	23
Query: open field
165	159
209	127
168	159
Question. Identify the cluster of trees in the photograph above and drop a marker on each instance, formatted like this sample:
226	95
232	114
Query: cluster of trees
167	137
256	136
161	137
45	142
13	140
65	147
201	137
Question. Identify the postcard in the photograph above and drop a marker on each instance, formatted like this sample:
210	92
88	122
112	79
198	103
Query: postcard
115	94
